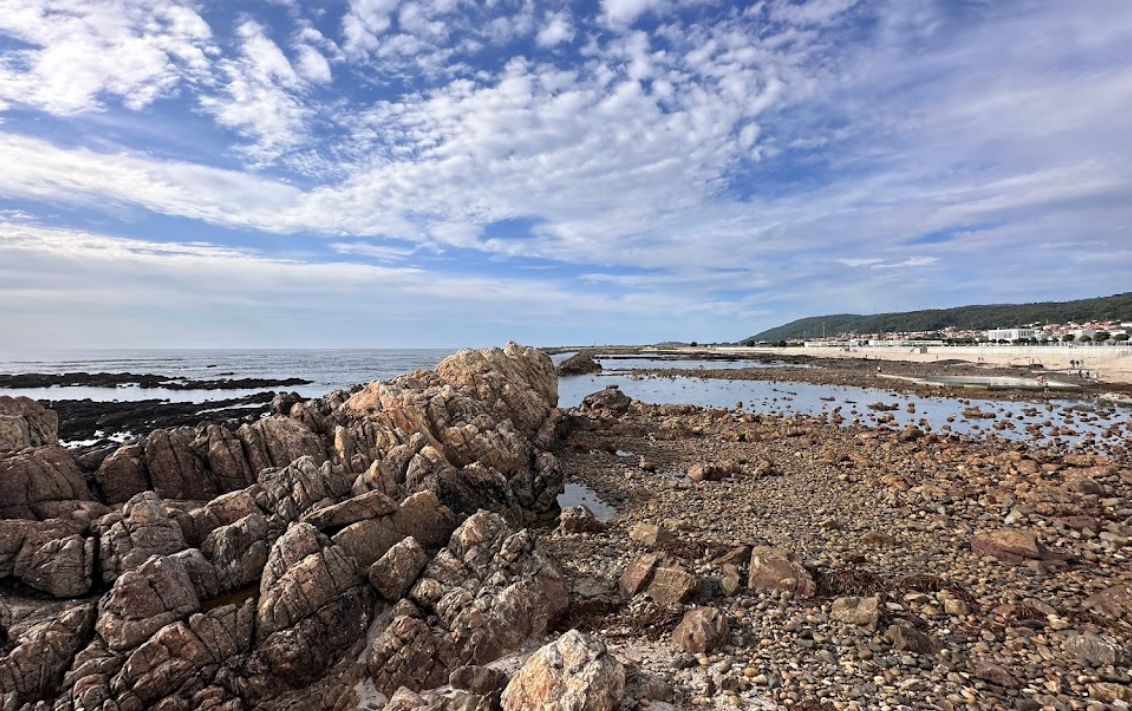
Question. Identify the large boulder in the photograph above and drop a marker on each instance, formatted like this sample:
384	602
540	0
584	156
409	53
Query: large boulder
574	673
25	423
52	556
142	529
776	570
176	470
702	630
123	475
278	441
517	383
183	658
313	605
41	483
34	667
485	594
143	600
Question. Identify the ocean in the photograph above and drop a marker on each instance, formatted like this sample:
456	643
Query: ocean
327	369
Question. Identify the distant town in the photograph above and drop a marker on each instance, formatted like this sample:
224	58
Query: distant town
1090	333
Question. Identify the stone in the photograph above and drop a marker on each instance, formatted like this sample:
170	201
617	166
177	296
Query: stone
481	680
313	605
518	383
1115	601
41	483
1110	692
703	630
123	475
33	667
638	574
581	363
649	533
1093	649
610	402
275	442
672	583
579	519
995	674
395	572
730	582
145	599
485	594
420	516
176	470
574	673
773	569
25	423
861	611
1009	545
142	529
238	551
906	638
62	567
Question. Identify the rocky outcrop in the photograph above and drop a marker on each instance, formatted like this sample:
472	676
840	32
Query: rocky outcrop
50	556
122	475
143	600
581	363
35	666
489	590
41	483
574	673
313	604
610	402
245	565
25	423
142	529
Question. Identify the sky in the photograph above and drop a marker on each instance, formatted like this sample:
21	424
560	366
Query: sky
442	173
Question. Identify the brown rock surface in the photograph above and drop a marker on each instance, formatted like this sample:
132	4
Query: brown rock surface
41	483
702	630
775	569
25	423
574	673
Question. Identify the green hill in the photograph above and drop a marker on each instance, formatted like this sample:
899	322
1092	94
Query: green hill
987	316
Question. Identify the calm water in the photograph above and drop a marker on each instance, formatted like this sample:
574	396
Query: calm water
332	369
327	369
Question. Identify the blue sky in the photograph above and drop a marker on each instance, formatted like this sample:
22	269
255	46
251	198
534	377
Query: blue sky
442	173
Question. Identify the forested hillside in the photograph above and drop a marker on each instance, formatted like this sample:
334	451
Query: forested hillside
1116	307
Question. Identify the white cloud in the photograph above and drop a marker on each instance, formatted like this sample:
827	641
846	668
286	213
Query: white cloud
79	53
262	99
557	28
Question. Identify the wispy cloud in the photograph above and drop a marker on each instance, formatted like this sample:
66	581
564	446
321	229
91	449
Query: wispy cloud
628	152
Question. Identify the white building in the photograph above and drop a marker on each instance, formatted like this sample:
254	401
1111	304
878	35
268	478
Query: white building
1010	334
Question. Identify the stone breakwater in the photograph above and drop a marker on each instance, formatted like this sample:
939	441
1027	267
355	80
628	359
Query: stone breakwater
367	550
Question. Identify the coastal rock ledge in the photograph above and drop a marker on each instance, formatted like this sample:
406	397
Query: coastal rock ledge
366	541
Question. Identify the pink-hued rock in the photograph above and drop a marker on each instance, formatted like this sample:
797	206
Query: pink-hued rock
574	673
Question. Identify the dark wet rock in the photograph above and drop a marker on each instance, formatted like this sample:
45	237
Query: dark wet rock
610	402
702	630
140	380
581	363
82	419
574	673
41	483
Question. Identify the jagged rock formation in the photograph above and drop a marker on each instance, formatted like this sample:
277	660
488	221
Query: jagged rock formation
240	569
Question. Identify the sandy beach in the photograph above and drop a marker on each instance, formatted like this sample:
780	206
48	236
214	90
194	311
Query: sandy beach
1113	367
